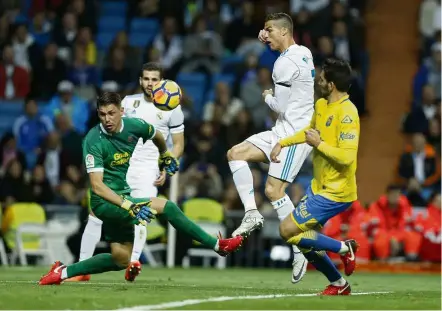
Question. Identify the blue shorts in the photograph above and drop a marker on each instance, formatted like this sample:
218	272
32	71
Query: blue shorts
313	211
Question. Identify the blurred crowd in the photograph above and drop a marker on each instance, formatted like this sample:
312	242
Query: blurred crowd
55	59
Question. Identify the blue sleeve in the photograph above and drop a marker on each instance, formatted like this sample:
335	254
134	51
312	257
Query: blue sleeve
420	79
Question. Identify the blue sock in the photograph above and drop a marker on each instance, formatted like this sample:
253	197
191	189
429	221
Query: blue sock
317	241
323	263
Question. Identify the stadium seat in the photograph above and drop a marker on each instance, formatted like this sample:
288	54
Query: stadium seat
209	215
111	24
26	232
113	8
229	63
194	86
140	39
104	40
144	25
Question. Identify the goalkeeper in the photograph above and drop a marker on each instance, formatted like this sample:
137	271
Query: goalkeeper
107	149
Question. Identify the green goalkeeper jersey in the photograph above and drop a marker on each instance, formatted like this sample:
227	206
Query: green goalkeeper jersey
110	153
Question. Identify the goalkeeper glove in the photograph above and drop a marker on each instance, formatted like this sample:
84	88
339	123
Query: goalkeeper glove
141	211
169	163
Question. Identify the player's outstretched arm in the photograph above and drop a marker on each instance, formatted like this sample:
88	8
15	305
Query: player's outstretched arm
178	144
103	191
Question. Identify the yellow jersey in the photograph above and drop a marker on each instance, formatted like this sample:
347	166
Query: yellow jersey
335	158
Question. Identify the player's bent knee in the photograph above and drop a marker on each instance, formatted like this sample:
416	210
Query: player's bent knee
287	229
234	153
121	257
158	204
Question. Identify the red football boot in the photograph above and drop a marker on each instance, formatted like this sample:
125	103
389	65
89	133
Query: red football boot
349	259
227	246
53	277
333	290
132	271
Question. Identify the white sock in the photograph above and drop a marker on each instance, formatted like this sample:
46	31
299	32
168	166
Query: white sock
91	237
340	282
64	273
283	208
242	176
344	249
139	241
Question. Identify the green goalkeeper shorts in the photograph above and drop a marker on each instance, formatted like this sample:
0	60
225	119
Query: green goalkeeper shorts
118	224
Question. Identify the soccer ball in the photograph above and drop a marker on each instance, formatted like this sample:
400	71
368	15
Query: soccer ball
166	95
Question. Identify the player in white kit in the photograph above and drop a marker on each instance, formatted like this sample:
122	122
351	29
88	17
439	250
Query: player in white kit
143	175
293	76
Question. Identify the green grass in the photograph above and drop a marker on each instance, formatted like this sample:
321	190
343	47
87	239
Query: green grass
19	290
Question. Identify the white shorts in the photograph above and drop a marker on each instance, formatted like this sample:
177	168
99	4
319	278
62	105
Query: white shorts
291	157
142	183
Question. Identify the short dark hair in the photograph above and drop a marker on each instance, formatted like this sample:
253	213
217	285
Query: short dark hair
393	187
285	19
28	99
152	66
339	72
109	98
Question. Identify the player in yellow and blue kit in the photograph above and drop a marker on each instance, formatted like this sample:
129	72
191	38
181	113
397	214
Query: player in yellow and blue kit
334	135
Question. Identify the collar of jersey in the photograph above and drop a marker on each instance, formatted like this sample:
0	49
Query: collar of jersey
340	101
104	130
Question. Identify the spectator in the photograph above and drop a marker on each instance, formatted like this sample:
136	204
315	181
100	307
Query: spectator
202	49
31	129
392	223
302	33
224	109
85	13
41	29
51	159
26	52
434	137
430	228
117	71
133	56
81	73
325	50
419	166
418	119
84	41
71	140
230	199
241	128
148	8
14	80
169	44
429	73
10	152
251	95
246	30
202	180
42	192
53	69
67	103
65	36
13	186
344	47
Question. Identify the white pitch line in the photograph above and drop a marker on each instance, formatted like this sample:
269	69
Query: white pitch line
189	302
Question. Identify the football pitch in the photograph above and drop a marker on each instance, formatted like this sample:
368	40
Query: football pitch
205	289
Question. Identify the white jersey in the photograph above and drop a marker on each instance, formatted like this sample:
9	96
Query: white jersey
293	75
145	156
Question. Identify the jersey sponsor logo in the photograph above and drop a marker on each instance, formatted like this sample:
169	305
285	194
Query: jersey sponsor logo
347	120
150	130
348	136
329	121
159	116
136	104
132	139
90	161
120	159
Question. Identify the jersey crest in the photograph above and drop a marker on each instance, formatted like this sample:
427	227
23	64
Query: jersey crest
329	121
136	104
